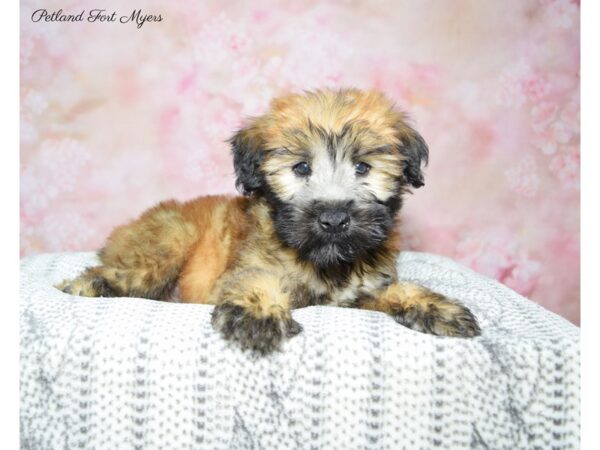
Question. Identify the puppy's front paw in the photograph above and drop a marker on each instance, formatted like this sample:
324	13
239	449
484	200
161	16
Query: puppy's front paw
259	334
439	315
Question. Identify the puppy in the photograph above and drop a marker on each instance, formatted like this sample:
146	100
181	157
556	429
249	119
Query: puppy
323	175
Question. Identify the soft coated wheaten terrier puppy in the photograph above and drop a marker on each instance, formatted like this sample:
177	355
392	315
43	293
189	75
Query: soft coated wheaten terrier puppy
323	174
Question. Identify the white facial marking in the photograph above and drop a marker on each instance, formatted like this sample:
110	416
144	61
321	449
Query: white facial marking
332	179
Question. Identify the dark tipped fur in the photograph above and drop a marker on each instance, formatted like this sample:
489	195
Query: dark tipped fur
416	153
302	295
432	321
369	229
247	157
259	334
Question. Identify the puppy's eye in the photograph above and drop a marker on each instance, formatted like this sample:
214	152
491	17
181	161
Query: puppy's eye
302	169
362	168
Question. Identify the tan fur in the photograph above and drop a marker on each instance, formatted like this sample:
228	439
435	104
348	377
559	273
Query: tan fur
142	258
370	118
369	110
224	222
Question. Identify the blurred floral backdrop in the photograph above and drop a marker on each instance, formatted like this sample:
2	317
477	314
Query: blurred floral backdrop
115	118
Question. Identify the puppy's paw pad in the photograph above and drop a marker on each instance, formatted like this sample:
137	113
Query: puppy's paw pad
442	317
262	335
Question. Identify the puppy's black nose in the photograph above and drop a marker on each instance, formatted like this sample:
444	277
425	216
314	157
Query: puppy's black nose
334	221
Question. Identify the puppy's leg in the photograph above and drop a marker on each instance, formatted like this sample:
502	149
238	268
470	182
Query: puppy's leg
420	309
141	259
253	309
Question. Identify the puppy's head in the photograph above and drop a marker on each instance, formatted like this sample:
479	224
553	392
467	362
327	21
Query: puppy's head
333	166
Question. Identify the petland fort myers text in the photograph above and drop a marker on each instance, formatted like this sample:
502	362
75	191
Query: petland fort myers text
136	17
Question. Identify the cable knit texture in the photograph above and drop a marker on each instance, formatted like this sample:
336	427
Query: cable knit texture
120	373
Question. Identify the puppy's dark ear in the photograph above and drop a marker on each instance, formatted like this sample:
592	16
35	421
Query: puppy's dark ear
415	152
247	158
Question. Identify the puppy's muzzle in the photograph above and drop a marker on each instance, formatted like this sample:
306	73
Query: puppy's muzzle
334	220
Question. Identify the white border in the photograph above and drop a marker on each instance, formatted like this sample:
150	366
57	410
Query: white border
590	223
9	233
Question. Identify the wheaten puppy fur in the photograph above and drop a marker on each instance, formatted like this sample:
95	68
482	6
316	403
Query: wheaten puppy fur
323	175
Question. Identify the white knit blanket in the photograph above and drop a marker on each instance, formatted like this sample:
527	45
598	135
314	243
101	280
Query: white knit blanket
127	373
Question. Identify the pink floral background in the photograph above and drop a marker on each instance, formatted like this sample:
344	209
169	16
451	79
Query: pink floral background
115	118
